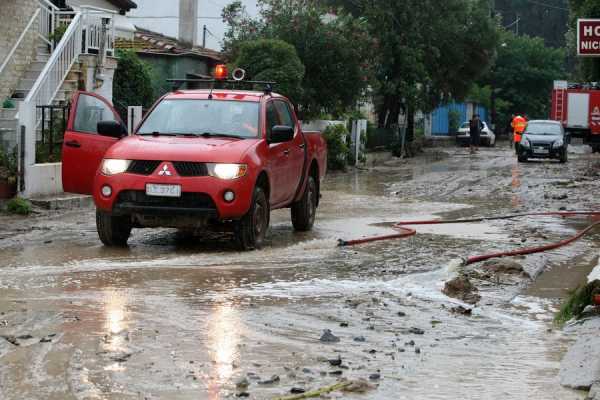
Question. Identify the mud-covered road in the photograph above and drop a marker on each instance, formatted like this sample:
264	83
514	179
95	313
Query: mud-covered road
174	317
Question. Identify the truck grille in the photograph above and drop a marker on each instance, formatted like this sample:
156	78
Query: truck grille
186	168
143	167
187	200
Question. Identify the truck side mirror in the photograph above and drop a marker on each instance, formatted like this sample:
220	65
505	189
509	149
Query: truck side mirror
281	134
111	128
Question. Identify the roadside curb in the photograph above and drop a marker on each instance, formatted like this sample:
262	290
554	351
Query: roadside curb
62	202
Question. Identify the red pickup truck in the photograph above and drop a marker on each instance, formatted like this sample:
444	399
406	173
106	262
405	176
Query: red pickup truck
200	159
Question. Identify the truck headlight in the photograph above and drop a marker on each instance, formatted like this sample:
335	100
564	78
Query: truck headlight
558	143
113	166
227	171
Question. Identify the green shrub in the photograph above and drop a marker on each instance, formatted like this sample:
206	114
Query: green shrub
576	302
337	149
453	121
18	206
8	103
132	84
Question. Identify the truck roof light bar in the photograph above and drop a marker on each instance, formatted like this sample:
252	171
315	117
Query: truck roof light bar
177	83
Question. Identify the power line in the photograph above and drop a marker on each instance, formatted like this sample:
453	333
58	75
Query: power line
547	5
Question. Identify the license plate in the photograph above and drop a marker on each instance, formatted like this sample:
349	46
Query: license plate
541	150
153	189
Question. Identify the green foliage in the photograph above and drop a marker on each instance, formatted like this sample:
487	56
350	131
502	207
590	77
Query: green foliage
8	103
272	60
58	33
334	51
428	51
337	149
524	73
576	302
18	206
132	83
480	95
453	121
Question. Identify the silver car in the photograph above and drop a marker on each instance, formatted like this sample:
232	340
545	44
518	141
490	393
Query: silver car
487	136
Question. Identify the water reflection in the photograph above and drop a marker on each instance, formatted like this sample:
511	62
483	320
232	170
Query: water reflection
224	331
115	324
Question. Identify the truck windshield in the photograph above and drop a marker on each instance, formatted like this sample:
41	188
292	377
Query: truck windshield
203	117
543	129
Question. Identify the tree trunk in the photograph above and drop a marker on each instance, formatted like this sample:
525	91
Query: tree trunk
410	130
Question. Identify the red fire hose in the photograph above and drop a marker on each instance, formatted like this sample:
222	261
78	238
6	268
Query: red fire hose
406	232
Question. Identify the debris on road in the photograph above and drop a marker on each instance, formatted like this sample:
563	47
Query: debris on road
328	337
461	288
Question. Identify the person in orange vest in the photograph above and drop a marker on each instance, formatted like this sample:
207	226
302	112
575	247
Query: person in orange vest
518	125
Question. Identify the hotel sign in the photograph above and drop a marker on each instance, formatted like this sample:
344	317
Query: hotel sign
588	37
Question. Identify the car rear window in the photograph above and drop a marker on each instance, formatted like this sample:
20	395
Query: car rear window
186	116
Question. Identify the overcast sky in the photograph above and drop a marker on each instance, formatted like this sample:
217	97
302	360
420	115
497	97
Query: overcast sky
209	13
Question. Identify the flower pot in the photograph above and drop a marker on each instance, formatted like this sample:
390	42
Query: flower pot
8	190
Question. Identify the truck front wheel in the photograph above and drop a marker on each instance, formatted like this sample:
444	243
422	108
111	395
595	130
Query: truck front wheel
113	231
250	231
304	210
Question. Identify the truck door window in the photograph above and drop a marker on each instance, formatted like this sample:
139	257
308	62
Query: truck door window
272	118
285	115
91	110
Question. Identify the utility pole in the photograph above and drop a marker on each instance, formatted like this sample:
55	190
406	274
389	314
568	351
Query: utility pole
204	36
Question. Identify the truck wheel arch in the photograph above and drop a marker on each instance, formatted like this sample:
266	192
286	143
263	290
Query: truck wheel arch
264	183
314	172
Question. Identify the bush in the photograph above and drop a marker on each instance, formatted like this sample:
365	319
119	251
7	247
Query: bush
578	299
132	83
453	121
18	206
337	149
8	103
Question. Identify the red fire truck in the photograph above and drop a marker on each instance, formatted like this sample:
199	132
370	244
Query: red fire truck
577	107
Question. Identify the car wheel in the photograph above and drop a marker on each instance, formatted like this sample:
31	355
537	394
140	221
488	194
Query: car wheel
564	157
522	158
251	230
113	231
304	210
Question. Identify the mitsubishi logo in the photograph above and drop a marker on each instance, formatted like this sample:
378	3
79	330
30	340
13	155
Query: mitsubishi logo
164	171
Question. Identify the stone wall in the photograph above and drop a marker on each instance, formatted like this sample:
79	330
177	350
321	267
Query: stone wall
14	17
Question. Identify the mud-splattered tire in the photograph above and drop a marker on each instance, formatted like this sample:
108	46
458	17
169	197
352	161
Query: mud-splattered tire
251	230
522	158
113	231
563	157
304	210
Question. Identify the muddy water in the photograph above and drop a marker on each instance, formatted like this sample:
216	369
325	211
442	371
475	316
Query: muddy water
179	317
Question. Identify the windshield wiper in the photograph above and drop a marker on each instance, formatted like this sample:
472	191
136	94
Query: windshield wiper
213	134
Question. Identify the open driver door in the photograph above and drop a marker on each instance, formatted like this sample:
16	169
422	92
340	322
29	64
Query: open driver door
83	147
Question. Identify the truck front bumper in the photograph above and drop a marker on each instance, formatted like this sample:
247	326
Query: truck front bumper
200	196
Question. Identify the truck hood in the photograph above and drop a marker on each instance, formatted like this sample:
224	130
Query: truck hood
171	148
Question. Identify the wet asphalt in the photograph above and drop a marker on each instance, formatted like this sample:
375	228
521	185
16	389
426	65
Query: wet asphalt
180	317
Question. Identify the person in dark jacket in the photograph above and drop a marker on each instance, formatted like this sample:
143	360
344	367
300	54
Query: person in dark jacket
475	128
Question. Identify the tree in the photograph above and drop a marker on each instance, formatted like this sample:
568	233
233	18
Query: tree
334	50
428	51
272	60
523	75
132	83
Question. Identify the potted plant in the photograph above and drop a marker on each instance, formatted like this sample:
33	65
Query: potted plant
8	174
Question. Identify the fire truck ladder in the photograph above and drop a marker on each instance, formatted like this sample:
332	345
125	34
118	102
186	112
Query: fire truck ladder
559	105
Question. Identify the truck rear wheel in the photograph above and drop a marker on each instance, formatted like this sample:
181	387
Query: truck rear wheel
250	231
304	210
113	231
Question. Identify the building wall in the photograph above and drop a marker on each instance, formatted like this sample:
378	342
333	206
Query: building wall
14	17
440	125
